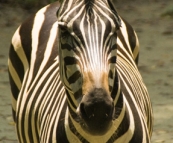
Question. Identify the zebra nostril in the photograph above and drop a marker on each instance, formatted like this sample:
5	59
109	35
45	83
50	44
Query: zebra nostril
86	112
83	113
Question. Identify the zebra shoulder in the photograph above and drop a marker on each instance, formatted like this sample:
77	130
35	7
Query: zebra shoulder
22	46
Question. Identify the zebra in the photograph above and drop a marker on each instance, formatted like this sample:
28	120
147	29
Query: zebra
74	77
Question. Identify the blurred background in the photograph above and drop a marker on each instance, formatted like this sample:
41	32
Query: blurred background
28	4
153	22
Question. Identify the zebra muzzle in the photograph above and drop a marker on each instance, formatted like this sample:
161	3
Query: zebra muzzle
96	110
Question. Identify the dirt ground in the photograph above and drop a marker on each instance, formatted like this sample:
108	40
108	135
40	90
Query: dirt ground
155	33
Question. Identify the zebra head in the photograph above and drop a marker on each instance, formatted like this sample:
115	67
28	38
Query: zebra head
88	49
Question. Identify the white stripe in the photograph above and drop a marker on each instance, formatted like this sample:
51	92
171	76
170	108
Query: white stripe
66	15
136	50
134	99
14	75
38	22
70	2
16	41
125	35
19	109
59	110
125	138
70	135
48	51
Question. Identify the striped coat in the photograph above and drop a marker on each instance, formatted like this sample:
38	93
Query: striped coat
39	98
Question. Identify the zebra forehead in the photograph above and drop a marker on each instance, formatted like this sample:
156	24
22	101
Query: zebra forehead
72	12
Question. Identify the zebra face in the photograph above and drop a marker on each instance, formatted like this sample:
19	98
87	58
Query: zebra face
87	49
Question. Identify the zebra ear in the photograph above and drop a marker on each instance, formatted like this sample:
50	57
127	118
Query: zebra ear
118	20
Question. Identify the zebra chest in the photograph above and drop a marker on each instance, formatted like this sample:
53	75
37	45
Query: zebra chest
40	102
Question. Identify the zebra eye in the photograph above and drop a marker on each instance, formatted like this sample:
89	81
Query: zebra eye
63	29
64	32
62	26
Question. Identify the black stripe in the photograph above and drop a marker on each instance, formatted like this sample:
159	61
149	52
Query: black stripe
64	7
14	88
113	47
110	74
61	136
131	35
119	106
37	94
137	59
77	31
21	120
122	129
71	101
26	39
110	88
16	62
73	114
112	60
70	60
44	34
55	110
118	20
77	134
121	37
138	133
66	47
78	94
115	86
127	57
74	77
26	36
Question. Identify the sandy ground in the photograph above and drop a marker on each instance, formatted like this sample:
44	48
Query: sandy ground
156	61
